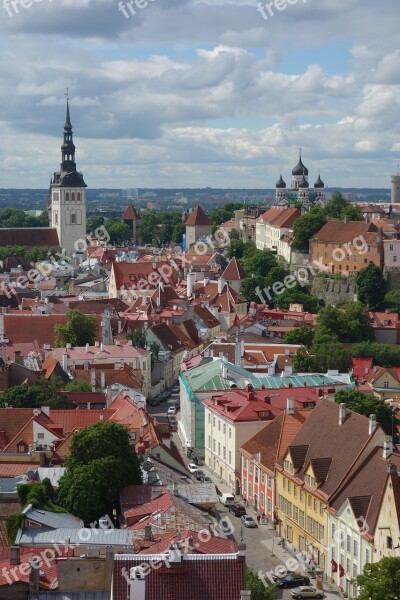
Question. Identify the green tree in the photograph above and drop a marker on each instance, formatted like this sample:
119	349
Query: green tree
118	231
100	464
384	355
304	362
296	295
369	405
234	234
332	355
371	286
249	286
259	591
235	248
79	330
259	262
138	338
154	349
302	335
305	227
380	580
339	207
78	385
177	232
19	396
392	300
93	223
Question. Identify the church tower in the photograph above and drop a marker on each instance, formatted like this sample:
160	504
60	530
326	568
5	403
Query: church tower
68	198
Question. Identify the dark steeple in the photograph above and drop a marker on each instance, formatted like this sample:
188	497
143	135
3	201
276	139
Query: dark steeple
68	148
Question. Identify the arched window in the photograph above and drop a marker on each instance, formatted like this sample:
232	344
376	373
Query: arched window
66	196
78	197
73	218
72	196
79	217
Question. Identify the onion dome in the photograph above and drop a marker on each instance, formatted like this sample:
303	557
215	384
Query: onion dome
280	184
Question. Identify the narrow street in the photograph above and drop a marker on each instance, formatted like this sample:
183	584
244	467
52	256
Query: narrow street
262	551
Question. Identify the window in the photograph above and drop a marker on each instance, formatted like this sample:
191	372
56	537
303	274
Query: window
40	436
309	524
219	425
224	427
295	514
348	565
367	559
348	543
301	518
224	452
21	448
213	421
214	445
394	258
309	501
355	258
386	384
230	432
321	509
365	261
355	548
321	532
354	570
245	463
284	483
269	482
389	542
295	491
73	218
209	441
289	487
262	477
289	510
230	457
219	449
245	485
250	490
78	197
301	543
262	499
333	553
209	418
251	468
333	530
315	504
289	534
315	529
269	509
302	495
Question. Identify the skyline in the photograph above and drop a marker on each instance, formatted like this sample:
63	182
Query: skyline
224	100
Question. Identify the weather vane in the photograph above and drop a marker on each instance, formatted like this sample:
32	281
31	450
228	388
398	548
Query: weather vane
67	94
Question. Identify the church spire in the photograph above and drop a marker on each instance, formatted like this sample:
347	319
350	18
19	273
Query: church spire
68	164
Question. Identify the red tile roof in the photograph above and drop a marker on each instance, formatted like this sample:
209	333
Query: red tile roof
243	405
198	217
205	577
29	236
130	214
234	271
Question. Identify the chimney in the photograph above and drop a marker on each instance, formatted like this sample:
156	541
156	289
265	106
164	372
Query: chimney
93	379
242	549
103	379
18	357
148	536
137	584
290	410
34	577
387	447
174	554
221	284
372	424
189	284
101	346
87	347
245	595
190	545
97	344
65	363
15	555
108	397
342	413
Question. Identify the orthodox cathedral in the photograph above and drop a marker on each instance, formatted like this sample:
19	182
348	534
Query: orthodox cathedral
300	190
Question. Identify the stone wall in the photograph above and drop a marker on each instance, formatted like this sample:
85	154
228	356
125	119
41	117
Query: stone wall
332	291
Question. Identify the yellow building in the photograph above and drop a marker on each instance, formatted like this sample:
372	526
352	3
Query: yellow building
322	457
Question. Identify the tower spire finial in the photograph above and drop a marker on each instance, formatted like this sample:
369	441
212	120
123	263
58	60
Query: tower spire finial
300	152
67	118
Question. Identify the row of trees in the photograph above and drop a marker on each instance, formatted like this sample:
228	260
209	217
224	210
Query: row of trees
46	392
14	217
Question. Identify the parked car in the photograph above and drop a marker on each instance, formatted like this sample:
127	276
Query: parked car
175	389
171	410
167	393
192	467
177	405
162	397
173	426
248	521
292	580
154	402
306	591
199	474
227	499
237	509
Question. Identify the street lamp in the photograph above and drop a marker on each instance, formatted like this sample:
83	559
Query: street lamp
272	551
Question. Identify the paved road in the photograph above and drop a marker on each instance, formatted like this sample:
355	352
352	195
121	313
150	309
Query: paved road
259	541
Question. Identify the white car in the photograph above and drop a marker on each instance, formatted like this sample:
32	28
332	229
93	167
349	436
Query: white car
193	468
305	591
171	410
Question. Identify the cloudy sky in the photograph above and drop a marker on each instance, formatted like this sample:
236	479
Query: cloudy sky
201	93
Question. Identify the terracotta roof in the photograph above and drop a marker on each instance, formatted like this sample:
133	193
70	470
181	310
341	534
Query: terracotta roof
29	236
198	217
243	405
12	420
72	419
361	367
20	328
206	316
207	577
124	374
234	271
130	214
16	469
322	437
201	544
273	440
377	373
340	232
366	488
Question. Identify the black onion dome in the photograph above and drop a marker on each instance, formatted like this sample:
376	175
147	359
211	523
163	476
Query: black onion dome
280	184
300	168
303	183
319	183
